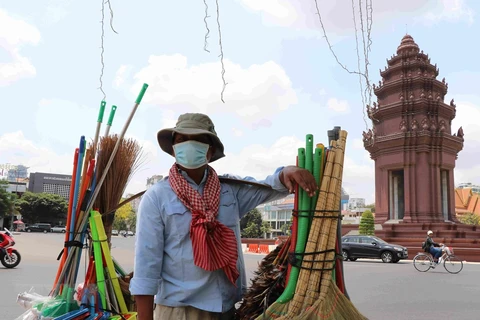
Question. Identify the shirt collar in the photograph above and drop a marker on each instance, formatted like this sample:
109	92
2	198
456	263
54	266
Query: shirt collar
190	180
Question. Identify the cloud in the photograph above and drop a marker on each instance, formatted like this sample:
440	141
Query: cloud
340	106
337	16
258	161
451	11
253	94
24	33
467	166
16	149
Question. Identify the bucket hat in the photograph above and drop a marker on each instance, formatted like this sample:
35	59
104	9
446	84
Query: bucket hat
191	124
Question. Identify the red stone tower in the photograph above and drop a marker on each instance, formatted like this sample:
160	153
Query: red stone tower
411	141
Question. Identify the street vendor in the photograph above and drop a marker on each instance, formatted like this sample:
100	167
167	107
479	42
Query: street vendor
188	251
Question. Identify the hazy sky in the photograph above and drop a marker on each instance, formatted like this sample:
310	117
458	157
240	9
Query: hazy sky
283	82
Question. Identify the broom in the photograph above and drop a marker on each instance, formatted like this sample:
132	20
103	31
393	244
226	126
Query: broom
323	299
125	163
269	280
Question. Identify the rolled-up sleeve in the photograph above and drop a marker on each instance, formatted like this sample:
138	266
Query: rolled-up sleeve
149	245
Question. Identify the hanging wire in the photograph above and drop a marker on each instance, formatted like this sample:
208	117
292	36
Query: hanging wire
358	65
366	93
102	46
221	51
111	16
102	51
207	34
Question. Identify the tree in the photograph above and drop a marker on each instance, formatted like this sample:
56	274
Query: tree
125	218
371	207
367	224
252	225
42	207
470	218
6	200
286	228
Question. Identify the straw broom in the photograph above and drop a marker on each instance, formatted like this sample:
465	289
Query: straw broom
278	309
125	163
323	299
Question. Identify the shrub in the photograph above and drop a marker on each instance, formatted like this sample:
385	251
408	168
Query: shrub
367	224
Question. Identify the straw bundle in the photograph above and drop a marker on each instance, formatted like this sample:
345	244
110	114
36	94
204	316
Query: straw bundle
316	295
126	161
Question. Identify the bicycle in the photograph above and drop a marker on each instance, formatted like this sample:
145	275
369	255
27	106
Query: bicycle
424	261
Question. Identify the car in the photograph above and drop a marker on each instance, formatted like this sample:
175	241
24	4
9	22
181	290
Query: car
61	229
130	233
114	232
39	227
370	247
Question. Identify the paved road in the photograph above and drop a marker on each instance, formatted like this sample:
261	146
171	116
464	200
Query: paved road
380	291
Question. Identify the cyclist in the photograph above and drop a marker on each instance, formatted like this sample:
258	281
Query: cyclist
433	247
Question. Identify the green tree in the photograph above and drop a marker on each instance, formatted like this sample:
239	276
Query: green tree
125	216
367	224
286	228
371	207
42	207
252	225
470	218
6	199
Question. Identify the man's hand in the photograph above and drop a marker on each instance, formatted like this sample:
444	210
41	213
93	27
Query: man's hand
290	176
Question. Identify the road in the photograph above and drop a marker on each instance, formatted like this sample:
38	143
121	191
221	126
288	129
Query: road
380	291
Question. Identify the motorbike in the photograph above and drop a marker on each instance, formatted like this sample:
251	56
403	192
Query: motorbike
9	256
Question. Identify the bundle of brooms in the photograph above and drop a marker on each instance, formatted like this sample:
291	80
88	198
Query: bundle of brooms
312	291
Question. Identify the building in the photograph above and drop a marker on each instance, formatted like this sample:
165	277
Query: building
50	183
467	201
153	180
135	203
13	173
356	203
469	185
277	213
411	140
344	200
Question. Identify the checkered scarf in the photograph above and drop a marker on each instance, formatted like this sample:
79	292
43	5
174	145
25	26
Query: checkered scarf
214	244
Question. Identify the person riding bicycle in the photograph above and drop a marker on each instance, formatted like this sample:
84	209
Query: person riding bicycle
433	247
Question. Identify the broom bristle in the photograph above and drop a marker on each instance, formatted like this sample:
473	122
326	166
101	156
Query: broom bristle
125	163
267	285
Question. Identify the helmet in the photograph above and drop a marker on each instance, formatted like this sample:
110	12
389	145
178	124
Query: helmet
429	232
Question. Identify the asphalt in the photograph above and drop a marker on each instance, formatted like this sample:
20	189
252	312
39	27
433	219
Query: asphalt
380	291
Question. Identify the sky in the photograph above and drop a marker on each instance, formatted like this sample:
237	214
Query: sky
283	82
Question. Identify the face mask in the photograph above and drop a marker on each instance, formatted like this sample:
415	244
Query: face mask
191	154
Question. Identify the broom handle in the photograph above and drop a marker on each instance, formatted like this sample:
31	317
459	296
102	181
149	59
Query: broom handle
110	120
293	241
117	145
99	124
100	182
69	216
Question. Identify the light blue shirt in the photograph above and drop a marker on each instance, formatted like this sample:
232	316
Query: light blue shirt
163	250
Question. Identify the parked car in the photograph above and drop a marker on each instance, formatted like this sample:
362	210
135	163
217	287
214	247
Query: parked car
61	229
114	232
39	227
371	247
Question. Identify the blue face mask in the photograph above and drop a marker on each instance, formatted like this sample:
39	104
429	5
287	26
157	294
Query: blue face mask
191	154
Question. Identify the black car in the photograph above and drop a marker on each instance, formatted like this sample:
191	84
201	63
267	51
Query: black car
371	247
39	227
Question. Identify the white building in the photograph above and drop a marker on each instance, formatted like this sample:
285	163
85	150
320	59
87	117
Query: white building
153	180
277	213
475	188
355	203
